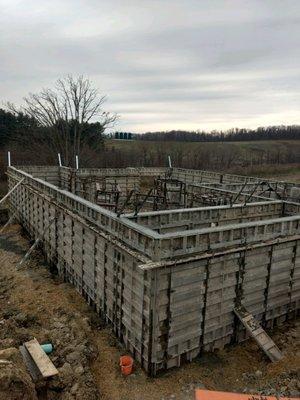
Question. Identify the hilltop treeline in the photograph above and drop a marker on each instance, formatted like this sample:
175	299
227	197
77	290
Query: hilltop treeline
291	132
15	126
25	136
31	143
20	128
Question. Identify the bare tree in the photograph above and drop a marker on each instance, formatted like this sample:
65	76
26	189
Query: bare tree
65	110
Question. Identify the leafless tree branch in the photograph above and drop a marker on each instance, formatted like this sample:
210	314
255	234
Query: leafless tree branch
72	103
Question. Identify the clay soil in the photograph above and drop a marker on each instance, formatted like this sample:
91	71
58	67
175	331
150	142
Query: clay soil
35	303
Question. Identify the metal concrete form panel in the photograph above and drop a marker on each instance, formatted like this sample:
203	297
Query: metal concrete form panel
167	281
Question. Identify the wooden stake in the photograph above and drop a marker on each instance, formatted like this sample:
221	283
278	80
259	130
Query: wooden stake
8	222
37	241
11	190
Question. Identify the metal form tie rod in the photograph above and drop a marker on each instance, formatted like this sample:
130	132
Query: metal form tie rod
252	193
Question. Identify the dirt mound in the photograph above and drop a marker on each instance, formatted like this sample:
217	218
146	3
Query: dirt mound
35	304
15	383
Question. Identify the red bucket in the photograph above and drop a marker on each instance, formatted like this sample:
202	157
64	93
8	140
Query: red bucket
126	364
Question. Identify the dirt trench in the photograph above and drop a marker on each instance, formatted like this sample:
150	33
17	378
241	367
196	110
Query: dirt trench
34	303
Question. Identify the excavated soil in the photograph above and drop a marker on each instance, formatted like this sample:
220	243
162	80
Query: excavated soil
34	303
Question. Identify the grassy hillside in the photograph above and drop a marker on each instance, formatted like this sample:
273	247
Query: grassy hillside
278	159
244	148
265	158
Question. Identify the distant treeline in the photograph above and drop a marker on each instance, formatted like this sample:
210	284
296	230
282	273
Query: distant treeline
15	126
291	132
31	143
20	131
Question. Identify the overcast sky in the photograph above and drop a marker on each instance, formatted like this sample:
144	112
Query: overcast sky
164	64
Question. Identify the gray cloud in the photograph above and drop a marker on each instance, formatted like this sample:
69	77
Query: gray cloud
163	64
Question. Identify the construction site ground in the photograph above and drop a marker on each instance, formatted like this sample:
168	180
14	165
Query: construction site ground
35	303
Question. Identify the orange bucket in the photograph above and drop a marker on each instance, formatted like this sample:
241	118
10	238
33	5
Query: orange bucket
126	364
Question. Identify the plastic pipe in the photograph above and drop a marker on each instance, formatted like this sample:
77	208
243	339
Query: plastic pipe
47	347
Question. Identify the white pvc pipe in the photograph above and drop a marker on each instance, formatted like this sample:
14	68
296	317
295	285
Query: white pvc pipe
170	162
59	159
8	159
77	162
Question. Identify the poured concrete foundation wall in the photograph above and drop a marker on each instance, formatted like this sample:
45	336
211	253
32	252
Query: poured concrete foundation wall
126	178
194	299
74	180
204	217
224	196
287	190
49	174
87	185
168	295
102	268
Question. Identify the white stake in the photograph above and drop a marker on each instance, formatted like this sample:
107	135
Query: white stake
77	162
8	159
170	162
59	159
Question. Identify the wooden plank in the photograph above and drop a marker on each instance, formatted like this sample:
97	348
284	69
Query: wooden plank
260	336
40	358
32	368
